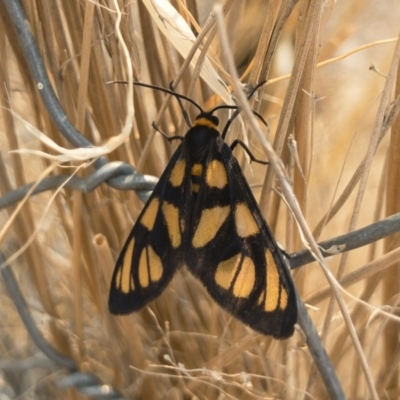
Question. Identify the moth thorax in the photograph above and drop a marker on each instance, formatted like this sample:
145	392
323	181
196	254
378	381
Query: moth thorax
199	143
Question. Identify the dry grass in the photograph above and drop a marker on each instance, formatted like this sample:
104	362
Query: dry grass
183	345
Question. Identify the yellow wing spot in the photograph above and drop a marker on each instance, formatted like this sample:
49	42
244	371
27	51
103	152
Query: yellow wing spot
124	275
178	173
149	216
210	221
272	298
197	169
155	264
240	267
284	299
245	222
216	175
171	215
246	278
144	278
226	271
150	267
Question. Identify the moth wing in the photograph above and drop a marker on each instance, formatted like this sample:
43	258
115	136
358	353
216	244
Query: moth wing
153	250
234	254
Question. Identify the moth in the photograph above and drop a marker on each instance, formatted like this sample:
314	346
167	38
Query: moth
202	214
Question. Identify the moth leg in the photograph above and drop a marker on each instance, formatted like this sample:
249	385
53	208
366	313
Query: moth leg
247	150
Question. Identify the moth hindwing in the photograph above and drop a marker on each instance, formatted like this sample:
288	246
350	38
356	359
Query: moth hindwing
202	214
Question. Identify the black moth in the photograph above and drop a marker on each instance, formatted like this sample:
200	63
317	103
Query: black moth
202	214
